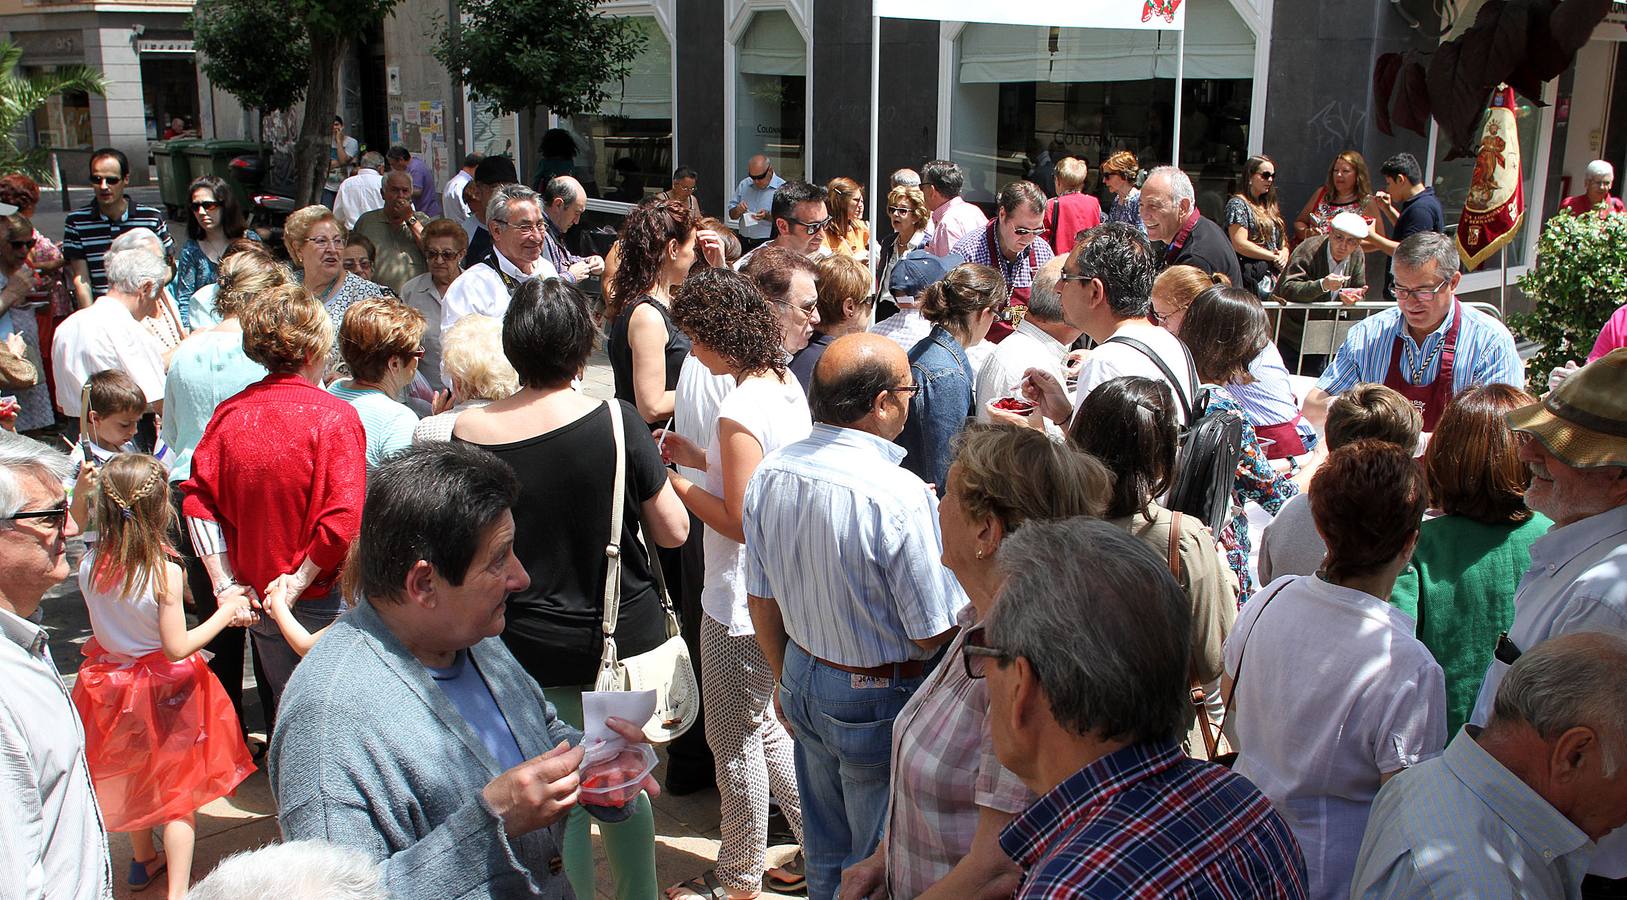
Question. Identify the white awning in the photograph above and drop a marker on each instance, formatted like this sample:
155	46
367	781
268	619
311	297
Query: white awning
1150	15
772	45
646	92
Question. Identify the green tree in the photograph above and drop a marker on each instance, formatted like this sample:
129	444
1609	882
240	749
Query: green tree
520	54
244	33
20	97
1579	280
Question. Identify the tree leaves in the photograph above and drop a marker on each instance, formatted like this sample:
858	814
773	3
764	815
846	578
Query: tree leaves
256	50
1522	43
1579	280
20	96
519	54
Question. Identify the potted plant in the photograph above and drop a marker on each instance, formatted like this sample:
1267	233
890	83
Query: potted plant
1579	280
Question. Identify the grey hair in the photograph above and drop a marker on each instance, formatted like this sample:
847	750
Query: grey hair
1575	680
1600	169
136	257
372	159
22	455
906	178
1044	298
497	209
1426	247
385	181
1180	185
1122	672
297	870
561	187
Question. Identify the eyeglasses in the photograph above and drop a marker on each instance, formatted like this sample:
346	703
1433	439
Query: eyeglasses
448	255
1026	232
1156	316
106	179
905	389
813	227
326	243
22	245
805	309
205	205
55	517
1420	293
532	229
1068	277
899	210
760	175
975	653
1268	176
416	354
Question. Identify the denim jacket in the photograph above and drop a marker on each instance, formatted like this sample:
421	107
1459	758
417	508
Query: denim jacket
939	410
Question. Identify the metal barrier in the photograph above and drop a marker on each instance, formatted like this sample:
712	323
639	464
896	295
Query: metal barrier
1325	325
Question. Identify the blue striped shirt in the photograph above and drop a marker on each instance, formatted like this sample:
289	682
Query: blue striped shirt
848	543
87	233
1485	353
1463	825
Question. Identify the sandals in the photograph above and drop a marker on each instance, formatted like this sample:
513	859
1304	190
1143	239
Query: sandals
142	877
704	886
793	867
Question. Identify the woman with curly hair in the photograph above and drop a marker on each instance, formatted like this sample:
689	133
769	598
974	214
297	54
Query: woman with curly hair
646	349
846	234
735	333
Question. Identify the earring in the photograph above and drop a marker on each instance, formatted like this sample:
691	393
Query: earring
979	554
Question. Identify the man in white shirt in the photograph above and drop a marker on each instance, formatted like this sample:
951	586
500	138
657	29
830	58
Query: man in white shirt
753	196
452	205
361	192
1040	341
1107	293
108	334
1576	447
52	842
518	232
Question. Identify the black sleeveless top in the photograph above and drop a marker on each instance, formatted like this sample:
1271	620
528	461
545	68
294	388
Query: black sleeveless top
621	353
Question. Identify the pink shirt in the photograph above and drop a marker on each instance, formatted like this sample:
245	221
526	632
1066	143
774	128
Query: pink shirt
952	221
1612	335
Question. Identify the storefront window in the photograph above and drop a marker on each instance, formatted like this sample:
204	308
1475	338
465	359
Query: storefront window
64	120
627	144
1452	181
169	89
771	91
1025	97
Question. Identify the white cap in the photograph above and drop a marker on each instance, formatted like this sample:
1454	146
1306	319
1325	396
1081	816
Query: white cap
1351	224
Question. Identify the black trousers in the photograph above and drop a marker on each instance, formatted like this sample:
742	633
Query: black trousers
685	570
1596	888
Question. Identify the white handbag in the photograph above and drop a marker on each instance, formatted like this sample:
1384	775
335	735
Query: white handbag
666	669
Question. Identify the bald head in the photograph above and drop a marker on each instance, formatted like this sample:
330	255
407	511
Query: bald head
564	201
854	384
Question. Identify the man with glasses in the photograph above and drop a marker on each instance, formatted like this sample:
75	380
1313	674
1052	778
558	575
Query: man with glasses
492	173
1092	724
1326	268
518	232
52	841
563	202
1170	215
397	233
787	281
89	231
753	197
1011	244
1429	346
800	216
847	594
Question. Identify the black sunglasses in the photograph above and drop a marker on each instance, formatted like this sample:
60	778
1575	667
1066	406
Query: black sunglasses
106	179
812	227
975	653
205	205
759	176
22	245
1268	176
56	516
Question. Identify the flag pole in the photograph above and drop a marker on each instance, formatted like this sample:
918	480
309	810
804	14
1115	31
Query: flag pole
1502	284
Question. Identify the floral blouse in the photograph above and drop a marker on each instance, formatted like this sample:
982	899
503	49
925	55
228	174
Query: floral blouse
54	283
1324	209
1127	210
1256	482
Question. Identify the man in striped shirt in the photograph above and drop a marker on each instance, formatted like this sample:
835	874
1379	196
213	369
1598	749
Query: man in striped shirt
1092	724
89	231
1429	347
847	594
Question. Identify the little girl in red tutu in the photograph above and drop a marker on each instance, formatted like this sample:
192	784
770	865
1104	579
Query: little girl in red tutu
160	734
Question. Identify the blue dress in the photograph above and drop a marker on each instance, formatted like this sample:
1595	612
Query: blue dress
193	270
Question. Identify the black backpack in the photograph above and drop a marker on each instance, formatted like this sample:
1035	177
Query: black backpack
1211	443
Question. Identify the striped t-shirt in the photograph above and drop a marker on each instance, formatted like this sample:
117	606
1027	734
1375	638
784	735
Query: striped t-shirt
87	234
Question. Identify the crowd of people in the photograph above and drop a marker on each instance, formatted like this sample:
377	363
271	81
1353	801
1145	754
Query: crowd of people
919	503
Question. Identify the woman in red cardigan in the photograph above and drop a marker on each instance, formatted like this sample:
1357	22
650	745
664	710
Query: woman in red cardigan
278	478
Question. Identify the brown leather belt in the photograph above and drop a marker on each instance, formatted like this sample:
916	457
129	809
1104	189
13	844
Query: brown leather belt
910	668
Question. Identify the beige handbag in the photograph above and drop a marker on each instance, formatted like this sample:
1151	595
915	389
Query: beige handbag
666	669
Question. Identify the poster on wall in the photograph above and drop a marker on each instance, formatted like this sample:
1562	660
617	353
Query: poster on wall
492	134
1163	15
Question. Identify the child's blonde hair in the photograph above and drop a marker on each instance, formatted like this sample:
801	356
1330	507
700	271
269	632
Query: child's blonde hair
134	517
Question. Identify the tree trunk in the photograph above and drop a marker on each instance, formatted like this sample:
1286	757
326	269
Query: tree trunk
316	131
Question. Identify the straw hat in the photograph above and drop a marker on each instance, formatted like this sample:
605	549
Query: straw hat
1584	420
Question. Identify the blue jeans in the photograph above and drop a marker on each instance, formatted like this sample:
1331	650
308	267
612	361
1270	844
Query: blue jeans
844	745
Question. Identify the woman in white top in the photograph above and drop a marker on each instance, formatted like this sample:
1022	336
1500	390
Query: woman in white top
735	333
1330	694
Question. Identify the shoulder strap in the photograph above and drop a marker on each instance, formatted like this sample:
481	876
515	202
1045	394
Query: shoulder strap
612	549
1200	698
1175	546
1187	401
1243	651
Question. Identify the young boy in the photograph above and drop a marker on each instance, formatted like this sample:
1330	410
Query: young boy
113	412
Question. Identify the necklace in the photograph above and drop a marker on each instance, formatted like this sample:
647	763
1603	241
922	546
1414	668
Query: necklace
1418	373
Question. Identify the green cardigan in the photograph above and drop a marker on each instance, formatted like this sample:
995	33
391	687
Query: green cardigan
1460	588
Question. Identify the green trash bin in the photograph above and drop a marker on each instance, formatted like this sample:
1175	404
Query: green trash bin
215	158
173	174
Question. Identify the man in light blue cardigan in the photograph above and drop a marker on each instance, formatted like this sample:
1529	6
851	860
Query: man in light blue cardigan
410	732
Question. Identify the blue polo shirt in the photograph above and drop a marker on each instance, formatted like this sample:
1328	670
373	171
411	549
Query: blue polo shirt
1421	213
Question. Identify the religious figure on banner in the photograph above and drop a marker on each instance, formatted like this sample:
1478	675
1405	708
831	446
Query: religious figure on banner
1495	206
1164	8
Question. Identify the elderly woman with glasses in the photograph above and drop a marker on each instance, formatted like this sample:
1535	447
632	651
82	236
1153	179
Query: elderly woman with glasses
381	341
950	796
444	244
316	245
907	213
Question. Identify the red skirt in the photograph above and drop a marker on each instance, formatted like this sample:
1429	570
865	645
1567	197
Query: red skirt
161	737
